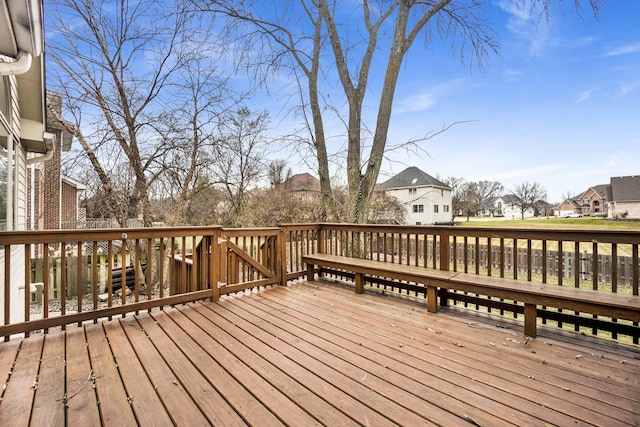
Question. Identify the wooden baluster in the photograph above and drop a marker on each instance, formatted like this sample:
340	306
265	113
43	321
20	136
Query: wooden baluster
27	284
79	280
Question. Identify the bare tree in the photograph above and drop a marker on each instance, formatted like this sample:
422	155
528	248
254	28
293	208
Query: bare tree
315	40
457	186
204	102
113	60
386	209
278	172
469	199
238	162
485	191
527	194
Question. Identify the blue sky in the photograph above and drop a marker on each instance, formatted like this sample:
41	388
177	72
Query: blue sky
560	104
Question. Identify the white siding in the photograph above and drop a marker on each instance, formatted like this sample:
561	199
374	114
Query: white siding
428	198
19	212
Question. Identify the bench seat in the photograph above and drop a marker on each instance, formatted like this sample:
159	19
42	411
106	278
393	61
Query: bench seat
532	294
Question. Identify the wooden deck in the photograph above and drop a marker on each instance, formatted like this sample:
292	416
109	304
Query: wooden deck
314	354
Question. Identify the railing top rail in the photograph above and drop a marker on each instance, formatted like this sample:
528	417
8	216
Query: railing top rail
557	234
257	231
299	226
83	235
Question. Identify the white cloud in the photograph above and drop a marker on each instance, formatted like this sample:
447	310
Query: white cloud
625	89
583	96
419	102
624	50
524	26
512	75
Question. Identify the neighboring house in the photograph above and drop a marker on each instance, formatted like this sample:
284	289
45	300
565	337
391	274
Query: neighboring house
543	208
594	200
591	202
506	206
23	140
302	182
53	197
624	199
568	206
427	200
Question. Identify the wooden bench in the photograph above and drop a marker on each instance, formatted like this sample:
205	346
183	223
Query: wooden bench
438	282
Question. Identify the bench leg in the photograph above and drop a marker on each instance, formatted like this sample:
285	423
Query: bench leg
432	299
530	320
359	283
443	293
310	268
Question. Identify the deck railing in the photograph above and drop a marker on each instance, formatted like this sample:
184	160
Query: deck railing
68	276
605	261
53	278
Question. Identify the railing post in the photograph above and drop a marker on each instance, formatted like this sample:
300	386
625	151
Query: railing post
282	256
444	251
214	265
321	249
444	266
321	239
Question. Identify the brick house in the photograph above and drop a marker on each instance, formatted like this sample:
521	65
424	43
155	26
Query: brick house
53	197
591	202
624	201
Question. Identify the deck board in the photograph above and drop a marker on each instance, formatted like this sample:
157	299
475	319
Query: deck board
113	400
17	398
282	373
450	352
145	403
211	403
48	406
80	395
440	383
228	376
314	353
178	404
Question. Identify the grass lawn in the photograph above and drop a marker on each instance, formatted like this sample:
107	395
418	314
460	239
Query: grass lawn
557	223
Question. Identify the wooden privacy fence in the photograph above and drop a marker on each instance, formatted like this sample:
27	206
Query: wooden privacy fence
56	272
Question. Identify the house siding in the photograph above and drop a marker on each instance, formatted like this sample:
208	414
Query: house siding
16	211
428	197
624	210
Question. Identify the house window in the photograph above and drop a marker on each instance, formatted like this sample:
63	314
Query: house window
413	191
445	208
435	208
418	208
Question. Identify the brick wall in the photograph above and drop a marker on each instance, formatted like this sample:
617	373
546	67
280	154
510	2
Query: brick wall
69	202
